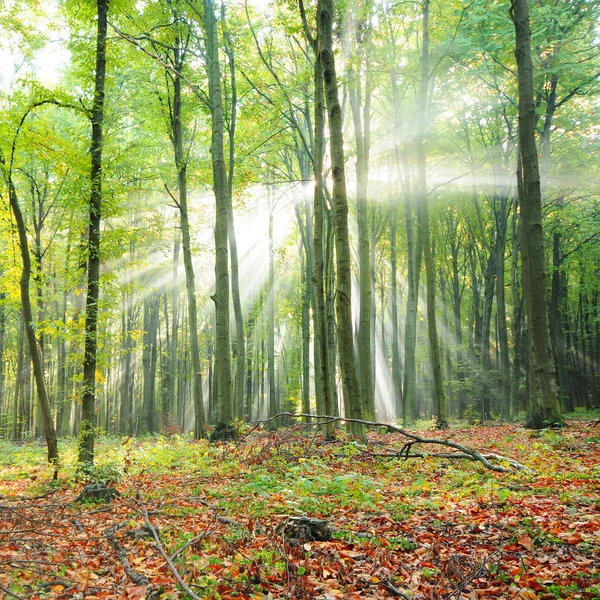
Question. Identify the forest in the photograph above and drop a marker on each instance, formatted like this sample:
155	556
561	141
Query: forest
276	240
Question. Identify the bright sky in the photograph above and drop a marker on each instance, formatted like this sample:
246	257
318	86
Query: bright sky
50	60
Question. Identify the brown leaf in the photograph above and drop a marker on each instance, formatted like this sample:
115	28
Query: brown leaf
525	541
136	592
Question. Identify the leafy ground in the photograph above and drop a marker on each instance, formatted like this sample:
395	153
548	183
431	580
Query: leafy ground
417	528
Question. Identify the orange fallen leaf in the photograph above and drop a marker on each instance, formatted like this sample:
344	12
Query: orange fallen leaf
525	541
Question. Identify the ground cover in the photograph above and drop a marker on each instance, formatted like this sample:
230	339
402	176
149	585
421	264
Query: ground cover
418	528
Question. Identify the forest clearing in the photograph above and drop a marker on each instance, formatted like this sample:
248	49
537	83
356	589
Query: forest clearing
422	528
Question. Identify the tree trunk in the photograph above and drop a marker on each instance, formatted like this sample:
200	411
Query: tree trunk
149	357
546	408
190	279
305	326
423	223
352	399
326	379
456	305
240	348
30	329
171	401
273	410
220	186
396	366
86	426
501	308
485	382
361	134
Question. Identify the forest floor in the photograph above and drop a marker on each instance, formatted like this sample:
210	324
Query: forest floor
418	528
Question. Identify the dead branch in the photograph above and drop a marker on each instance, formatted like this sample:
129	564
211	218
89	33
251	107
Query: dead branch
137	578
390	587
464	451
160	548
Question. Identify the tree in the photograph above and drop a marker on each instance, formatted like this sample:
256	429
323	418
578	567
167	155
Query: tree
220	185
352	399
546	407
28	319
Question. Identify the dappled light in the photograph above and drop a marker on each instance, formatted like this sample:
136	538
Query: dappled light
306	293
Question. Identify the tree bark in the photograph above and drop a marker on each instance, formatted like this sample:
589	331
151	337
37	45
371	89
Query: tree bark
190	279
352	399
396	359
423	223
361	134
546	408
29	324
87	424
220	186
240	348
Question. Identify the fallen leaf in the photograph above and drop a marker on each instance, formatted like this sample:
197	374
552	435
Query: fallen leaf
525	541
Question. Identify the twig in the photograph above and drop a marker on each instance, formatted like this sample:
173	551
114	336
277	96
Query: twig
473	454
395	591
160	548
193	541
477	573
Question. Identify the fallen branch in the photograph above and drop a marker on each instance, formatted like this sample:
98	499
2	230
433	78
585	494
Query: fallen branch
160	548
137	578
390	587
465	451
449	455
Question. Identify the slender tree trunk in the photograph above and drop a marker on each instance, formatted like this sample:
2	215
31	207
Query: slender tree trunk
249	377
61	367
396	366
305	326
30	329
325	377
271	323
190	279
86	426
220	185
352	399
361	134
501	307
485	383
423	221
240	349
149	356
17	421
557	320
171	402
546	409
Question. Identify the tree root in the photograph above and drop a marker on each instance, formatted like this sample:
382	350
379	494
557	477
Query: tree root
464	452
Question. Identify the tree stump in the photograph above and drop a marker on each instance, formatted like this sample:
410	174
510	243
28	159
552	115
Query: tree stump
97	492
306	529
223	433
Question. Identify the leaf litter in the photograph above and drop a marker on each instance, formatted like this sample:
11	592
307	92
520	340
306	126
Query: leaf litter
423	528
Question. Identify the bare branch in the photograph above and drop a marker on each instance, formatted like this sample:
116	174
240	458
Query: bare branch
472	454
